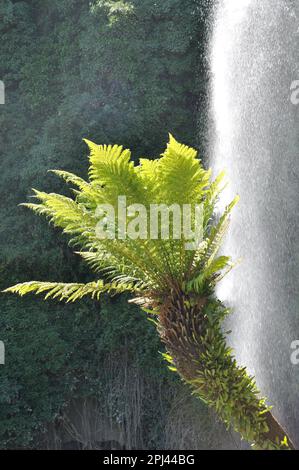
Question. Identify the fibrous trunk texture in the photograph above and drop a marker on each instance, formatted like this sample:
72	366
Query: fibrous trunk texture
191	330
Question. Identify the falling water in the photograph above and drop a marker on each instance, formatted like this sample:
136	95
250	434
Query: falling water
254	60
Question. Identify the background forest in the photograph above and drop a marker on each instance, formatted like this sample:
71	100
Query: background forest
127	72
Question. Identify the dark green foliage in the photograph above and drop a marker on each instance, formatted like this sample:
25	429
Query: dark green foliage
74	68
56	355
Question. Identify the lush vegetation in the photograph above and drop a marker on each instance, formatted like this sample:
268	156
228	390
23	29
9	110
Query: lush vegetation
115	72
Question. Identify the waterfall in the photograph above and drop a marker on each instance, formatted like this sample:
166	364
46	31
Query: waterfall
254	56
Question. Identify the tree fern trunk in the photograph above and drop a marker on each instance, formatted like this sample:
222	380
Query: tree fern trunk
197	350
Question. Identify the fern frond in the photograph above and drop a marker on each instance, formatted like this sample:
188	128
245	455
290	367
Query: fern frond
72	179
211	197
89	194
181	176
69	292
112	169
147	172
75	219
105	263
217	233
208	274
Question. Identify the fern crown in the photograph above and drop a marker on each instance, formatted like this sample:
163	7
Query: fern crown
157	265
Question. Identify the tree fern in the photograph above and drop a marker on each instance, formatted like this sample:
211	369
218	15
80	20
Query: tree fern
174	285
